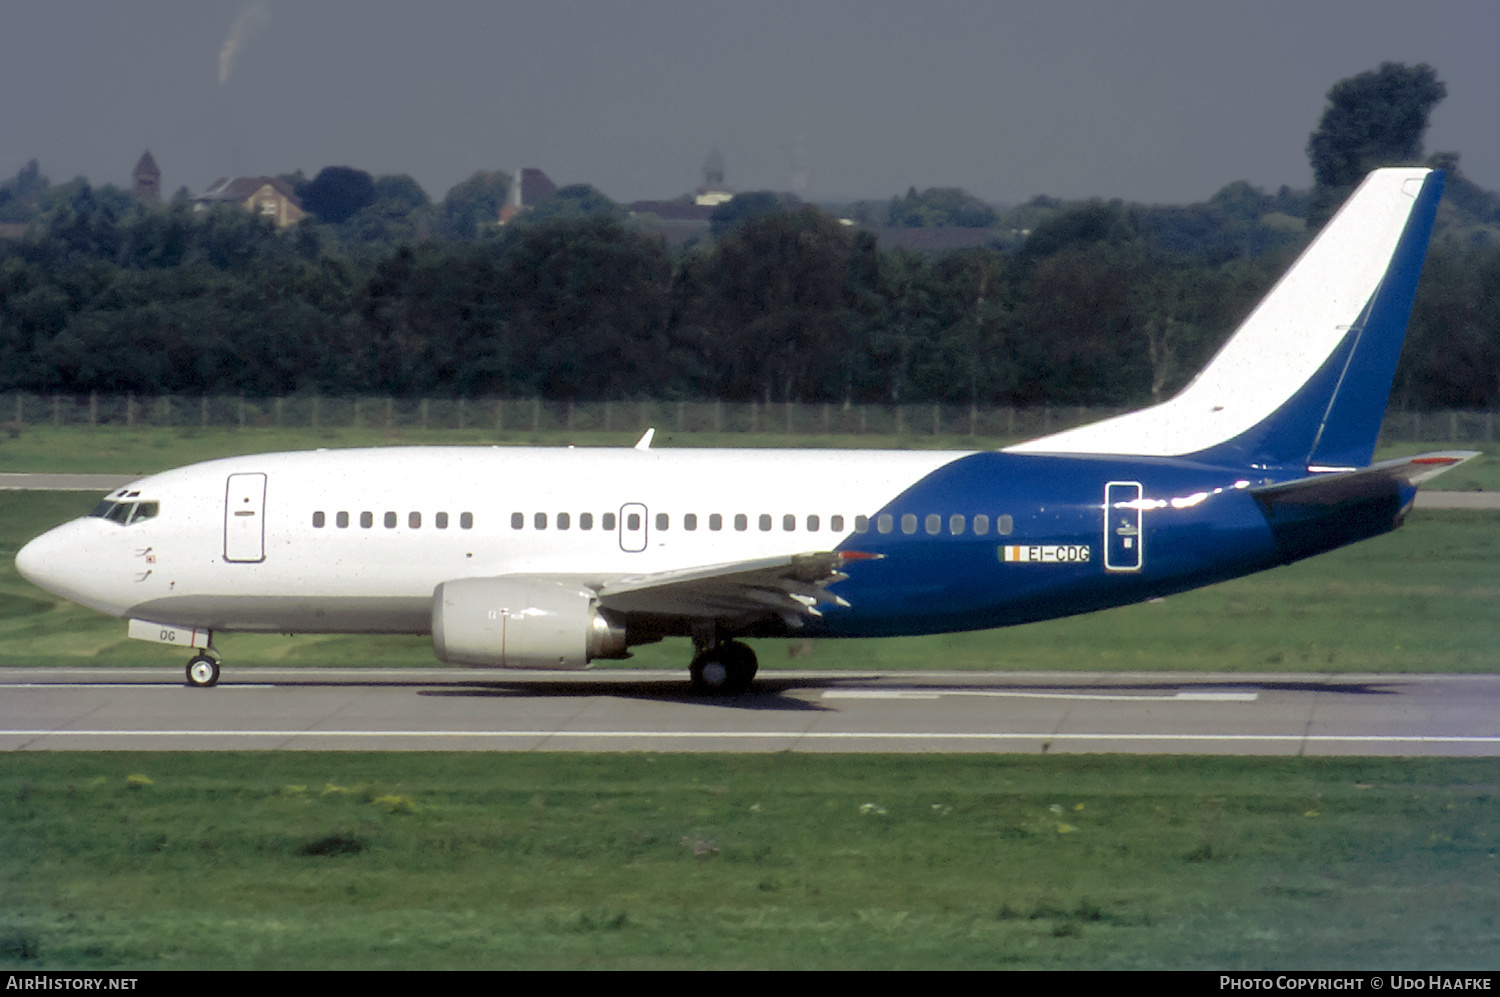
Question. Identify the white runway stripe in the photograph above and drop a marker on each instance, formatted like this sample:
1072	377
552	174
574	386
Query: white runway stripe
783	735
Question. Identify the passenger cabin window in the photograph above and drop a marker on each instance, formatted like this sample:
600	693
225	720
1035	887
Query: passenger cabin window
390	520
466	521
518	520
862	525
981	524
765	523
607	521
585	520
1004	525
956	524
812	524
741	522
540	520
440	520
564	521
318	520
716	522
885	523
341	520
414	520
788	523
690	521
836	524
934	523
662	521
366	519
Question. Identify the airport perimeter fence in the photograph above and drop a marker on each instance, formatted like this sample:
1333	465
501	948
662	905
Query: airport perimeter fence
535	415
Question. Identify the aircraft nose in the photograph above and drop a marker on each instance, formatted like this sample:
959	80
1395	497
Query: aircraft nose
40	560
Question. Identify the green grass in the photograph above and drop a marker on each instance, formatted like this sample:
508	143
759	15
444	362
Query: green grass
1425	598
146	450
391	861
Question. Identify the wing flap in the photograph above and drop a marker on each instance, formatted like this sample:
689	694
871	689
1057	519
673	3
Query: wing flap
791	587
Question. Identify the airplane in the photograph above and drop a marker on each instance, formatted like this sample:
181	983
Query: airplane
556	557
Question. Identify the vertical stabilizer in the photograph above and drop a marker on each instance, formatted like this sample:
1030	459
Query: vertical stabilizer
1306	376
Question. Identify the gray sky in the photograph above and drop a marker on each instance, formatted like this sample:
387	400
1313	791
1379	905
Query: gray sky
1156	101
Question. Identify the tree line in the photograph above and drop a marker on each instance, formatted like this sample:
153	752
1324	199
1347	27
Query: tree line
381	292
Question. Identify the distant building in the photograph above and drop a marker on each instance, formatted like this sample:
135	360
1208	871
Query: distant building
533	186
145	180
687	217
269	197
713	192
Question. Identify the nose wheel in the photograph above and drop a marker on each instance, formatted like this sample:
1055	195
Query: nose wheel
203	672
728	667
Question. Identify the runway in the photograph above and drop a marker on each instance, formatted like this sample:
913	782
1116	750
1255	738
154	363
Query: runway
457	710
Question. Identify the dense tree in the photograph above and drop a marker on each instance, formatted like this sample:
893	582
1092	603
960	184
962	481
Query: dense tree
475	202
576	201
749	205
337	192
1376	118
940	207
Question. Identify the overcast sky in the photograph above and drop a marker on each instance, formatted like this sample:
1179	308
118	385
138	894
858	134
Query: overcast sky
1155	101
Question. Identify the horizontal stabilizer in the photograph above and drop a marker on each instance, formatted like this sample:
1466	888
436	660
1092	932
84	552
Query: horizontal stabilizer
1350	486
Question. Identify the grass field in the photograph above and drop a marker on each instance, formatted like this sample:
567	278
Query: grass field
145	450
376	861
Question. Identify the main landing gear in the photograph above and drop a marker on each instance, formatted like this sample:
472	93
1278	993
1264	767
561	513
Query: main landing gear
203	670
723	667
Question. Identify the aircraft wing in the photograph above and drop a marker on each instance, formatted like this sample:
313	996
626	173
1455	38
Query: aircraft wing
791	587
1365	482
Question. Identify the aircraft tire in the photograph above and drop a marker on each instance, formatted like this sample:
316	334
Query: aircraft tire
202	672
742	665
724	670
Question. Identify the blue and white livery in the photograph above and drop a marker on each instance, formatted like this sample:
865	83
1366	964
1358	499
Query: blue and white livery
550	558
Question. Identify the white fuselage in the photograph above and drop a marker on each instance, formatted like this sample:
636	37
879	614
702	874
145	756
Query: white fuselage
216	555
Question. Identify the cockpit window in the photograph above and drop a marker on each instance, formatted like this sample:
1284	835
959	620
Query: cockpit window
126	513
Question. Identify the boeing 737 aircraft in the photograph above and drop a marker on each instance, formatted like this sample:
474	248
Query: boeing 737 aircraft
551	558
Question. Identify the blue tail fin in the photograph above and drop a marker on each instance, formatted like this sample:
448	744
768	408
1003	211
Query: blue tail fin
1305	378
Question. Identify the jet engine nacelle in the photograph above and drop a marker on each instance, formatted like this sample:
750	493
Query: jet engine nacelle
521	622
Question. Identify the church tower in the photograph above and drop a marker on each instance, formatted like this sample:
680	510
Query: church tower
146	180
